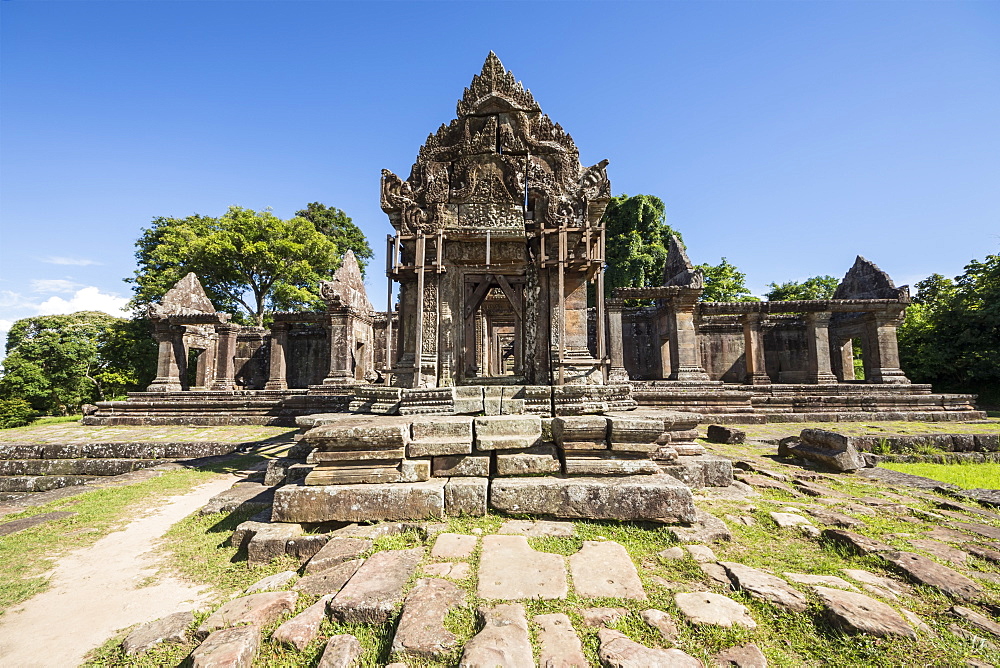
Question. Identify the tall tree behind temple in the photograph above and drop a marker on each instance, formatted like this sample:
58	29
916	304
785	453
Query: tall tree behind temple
951	335
337	225
637	237
249	262
815	287
724	282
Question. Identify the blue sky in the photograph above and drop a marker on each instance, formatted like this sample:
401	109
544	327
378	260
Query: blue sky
787	137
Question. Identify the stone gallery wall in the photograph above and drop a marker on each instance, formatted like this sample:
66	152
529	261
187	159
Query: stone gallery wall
308	355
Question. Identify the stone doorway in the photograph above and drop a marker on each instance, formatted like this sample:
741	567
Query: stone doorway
494	330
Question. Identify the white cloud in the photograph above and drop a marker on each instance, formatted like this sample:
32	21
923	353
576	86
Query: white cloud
85	299
54	285
74	261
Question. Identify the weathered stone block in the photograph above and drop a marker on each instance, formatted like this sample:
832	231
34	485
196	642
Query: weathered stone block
728	435
635	430
376	588
387	433
441	436
466	496
415	470
461	465
507	432
580	432
655	498
603	462
701	470
533	461
360	503
269	542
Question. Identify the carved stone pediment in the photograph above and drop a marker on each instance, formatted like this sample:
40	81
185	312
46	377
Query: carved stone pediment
347	288
186	298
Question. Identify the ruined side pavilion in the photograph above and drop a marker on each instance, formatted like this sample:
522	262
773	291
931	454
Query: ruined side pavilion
498	232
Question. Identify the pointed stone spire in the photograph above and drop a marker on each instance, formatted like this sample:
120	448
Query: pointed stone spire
865	280
495	89
347	287
187	297
678	270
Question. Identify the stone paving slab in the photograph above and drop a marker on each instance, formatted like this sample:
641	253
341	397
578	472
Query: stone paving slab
559	645
510	570
604	569
372	594
421	631
454	546
504	640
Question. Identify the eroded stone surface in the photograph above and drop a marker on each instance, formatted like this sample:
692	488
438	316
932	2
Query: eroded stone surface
866	577
509	570
372	594
618	651
503	641
559	645
330	580
335	552
228	648
604	569
713	609
602	616
825	580
172	628
979	620
701	553
662	622
788	520
857	612
421	628
706	528
257	609
940	550
466	496
359	502
741	656
272	582
448	569
303	628
454	546
766	587
341	652
933	574
537	528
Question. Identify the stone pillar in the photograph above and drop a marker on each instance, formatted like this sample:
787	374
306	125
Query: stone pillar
168	361
685	360
818	335
341	349
882	350
753	342
847	360
277	376
616	372
225	349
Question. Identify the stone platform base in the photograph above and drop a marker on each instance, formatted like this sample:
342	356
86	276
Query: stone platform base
839	402
655	498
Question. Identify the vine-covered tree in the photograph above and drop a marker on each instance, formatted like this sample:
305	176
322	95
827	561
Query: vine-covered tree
250	262
637	237
815	287
58	362
341	230
724	282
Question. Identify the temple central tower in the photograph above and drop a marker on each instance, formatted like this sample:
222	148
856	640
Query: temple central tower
498	231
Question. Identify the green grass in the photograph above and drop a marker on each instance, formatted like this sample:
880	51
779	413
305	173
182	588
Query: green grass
25	555
48	419
966	476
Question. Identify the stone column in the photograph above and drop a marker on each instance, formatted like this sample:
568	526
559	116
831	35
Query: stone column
753	342
847	360
277	376
616	373
341	349
171	351
684	356
225	349
882	349
818	335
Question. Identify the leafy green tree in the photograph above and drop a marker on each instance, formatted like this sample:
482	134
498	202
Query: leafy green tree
341	230
249	262
636	247
58	362
951	335
816	287
16	413
724	282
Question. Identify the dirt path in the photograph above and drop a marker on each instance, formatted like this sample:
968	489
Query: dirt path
93	593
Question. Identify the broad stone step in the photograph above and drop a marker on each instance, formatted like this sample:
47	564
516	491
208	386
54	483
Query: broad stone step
440	436
372	594
713	609
766	587
172	628
507	432
229	648
96	467
618	651
303	628
560	646
605	462
604	569
341	652
580	432
933	574
360	503
656	497
857	612
242	495
335	552
42	483
270	541
537	460
503	641
328	581
509	570
421	630
256	609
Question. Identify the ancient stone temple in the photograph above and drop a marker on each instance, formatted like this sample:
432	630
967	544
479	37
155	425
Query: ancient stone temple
498	235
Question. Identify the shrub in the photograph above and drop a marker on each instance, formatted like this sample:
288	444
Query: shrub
15	413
